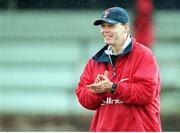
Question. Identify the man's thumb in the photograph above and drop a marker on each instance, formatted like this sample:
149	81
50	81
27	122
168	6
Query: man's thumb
106	73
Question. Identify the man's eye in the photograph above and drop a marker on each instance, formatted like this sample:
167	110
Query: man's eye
111	25
102	25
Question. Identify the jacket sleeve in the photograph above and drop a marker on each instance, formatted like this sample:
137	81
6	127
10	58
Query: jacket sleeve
87	98
143	87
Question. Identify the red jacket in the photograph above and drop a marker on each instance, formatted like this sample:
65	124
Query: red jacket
135	105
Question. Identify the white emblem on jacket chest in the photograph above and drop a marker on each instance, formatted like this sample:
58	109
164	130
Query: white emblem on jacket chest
109	100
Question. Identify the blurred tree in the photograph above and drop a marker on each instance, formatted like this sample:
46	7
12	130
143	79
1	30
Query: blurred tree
82	4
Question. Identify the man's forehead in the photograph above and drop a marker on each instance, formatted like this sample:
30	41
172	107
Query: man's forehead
106	23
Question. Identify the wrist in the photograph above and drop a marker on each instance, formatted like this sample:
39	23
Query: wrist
114	86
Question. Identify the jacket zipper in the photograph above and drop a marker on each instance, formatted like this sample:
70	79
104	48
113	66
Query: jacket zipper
114	67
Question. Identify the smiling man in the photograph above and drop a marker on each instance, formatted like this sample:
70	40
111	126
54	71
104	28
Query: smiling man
121	82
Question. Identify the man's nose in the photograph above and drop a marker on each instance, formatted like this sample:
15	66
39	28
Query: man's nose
105	29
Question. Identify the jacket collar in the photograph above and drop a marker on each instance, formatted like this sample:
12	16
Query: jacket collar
101	56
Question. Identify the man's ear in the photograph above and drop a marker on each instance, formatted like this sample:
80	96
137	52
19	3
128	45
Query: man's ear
126	30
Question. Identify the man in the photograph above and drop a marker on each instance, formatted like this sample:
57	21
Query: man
121	82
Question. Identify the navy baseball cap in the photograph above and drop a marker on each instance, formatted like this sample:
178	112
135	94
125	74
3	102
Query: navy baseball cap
113	15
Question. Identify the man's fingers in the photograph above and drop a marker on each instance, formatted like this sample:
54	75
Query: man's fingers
92	90
105	76
100	83
102	77
92	86
106	73
88	86
98	78
96	90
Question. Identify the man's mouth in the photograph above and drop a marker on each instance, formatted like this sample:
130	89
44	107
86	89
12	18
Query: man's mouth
107	36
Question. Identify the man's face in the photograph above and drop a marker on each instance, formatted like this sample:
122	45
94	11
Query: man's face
113	33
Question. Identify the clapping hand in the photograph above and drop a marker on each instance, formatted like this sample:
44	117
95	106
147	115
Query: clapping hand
101	84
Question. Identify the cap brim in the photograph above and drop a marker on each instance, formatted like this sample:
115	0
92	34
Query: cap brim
100	21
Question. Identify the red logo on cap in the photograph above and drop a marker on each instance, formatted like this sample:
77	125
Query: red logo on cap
106	13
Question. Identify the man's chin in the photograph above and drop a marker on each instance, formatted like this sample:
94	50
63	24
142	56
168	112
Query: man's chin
108	42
